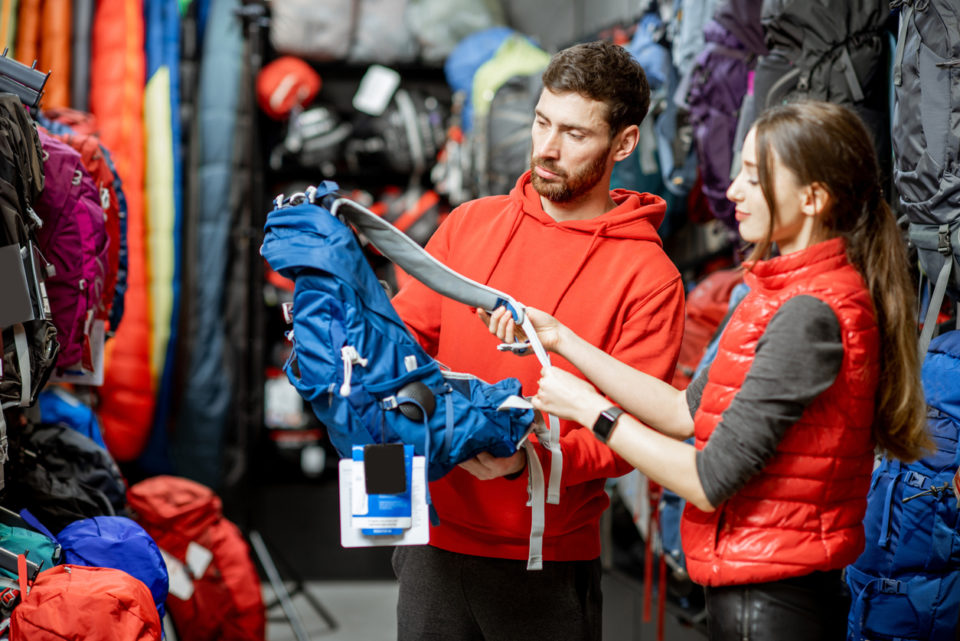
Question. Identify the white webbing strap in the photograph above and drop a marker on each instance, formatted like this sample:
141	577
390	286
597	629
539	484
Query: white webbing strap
552	440
23	361
535	491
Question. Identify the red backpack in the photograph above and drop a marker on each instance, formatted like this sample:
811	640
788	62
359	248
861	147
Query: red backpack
214	587
706	307
78	602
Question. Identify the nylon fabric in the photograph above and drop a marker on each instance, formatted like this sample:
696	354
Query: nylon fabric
804	511
906	583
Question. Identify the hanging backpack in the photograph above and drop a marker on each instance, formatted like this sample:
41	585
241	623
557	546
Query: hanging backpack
404	139
120	543
58	405
382	34
71	122
906	584
77	602
298	29
441	24
502	141
214	587
713	92
506	89
926	145
464	60
29	336
95	162
74	238
832	51
361	31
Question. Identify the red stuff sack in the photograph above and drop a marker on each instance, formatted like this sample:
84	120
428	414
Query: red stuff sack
214	586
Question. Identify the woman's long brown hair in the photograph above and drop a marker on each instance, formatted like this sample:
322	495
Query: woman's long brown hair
826	144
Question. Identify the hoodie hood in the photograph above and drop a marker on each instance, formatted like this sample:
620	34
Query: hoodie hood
572	243
635	216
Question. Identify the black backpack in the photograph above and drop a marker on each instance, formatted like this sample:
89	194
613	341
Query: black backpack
29	338
831	50
404	139
62	476
926	144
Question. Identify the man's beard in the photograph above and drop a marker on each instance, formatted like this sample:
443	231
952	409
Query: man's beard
565	188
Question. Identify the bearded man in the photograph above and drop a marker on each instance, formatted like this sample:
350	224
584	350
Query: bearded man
563	242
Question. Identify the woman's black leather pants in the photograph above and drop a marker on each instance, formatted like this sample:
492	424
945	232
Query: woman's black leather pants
807	608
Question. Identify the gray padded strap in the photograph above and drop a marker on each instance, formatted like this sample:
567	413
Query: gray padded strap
4	455
405	252
905	16
535	489
23	363
933	308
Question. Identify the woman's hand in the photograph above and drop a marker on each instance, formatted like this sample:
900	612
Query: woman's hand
501	324
566	396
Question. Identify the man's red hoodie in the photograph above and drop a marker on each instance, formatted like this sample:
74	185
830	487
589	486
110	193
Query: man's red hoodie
607	279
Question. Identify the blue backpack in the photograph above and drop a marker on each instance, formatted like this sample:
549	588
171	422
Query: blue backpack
119	543
353	359
57	405
906	584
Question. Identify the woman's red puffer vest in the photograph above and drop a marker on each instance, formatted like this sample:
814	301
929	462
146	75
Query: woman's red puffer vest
804	511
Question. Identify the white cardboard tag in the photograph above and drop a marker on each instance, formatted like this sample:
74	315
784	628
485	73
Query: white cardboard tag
181	586
419	531
198	558
376	89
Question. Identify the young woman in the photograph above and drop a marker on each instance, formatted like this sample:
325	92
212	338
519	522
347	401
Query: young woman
816	369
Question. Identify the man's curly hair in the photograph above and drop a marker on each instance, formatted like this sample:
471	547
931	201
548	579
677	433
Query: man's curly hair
604	72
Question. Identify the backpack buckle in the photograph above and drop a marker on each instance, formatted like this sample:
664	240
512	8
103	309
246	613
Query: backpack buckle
889	586
943	240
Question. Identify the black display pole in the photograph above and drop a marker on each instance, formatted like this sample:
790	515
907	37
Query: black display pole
250	353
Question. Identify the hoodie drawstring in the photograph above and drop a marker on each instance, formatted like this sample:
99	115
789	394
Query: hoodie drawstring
505	244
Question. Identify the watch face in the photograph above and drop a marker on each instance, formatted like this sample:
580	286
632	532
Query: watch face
605	423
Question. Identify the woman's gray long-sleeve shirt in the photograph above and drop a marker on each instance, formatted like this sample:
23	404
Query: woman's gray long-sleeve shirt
797	357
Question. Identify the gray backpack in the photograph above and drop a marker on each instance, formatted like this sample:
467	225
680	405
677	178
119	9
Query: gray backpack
926	144
832	50
502	139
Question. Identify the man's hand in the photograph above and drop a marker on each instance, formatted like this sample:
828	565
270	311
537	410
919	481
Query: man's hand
485	466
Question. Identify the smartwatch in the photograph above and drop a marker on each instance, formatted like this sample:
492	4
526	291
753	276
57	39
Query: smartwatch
605	423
